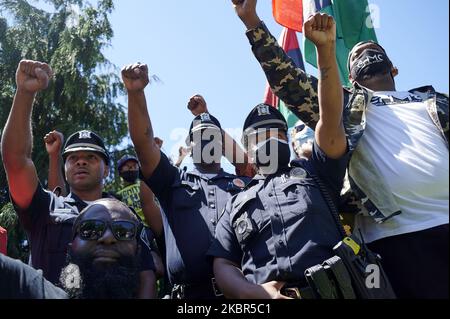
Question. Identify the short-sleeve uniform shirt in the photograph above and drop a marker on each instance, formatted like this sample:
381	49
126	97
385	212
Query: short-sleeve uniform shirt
281	225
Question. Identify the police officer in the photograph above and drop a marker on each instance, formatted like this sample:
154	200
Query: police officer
47	217
281	224
191	201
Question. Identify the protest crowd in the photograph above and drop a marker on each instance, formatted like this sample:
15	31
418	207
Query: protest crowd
361	182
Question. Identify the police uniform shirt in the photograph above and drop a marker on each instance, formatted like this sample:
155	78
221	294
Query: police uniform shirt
48	222
281	226
191	203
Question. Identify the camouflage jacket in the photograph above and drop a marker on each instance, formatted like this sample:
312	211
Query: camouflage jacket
366	194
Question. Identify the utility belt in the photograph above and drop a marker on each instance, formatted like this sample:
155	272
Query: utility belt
206	290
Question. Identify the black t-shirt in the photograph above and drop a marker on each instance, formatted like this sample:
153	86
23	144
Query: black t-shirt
20	281
48	222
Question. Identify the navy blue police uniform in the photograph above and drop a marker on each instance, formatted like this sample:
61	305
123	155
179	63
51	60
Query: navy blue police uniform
192	204
280	225
49	219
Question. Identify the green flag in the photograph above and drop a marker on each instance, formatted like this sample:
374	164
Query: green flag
353	25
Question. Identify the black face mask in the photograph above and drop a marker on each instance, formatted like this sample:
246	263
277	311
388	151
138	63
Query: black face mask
369	63
207	152
271	155
130	176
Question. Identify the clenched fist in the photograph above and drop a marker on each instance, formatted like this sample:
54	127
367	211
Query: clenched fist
197	105
183	152
135	77
53	142
33	76
320	29
246	10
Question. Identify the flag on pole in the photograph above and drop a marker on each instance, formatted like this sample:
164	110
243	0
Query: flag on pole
289	13
289	42
353	25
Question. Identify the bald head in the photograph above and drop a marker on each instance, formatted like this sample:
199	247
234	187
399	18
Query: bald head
107	207
105	249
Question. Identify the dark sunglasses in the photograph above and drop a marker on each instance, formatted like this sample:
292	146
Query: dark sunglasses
95	229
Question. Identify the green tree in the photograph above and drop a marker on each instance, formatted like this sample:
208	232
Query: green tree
71	36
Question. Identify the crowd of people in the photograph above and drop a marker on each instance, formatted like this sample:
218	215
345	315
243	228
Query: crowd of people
378	154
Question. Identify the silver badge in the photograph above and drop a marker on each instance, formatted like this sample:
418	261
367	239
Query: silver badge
263	109
298	173
205	117
85	135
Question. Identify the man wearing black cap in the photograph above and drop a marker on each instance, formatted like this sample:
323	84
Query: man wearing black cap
281	224
47	217
191	201
399	156
128	168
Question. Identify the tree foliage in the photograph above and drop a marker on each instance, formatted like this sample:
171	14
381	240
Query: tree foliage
71	36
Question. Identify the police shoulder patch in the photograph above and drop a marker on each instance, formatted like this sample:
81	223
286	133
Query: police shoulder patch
243	224
239	183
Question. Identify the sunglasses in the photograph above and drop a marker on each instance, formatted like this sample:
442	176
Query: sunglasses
92	230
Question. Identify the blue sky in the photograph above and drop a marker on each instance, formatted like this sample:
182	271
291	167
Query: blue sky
199	46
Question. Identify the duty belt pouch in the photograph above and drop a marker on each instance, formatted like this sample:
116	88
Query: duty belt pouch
337	271
318	280
368	279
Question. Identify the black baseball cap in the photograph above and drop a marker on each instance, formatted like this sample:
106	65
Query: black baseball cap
202	122
263	116
125	159
85	141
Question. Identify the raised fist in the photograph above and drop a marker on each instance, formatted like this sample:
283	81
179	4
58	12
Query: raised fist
197	105
246	10
33	76
183	152
320	29
135	77
53	142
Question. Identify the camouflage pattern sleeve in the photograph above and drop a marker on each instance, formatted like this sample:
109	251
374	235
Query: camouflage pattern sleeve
443	113
292	85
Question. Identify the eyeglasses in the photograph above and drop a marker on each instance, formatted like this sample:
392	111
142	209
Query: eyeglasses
95	229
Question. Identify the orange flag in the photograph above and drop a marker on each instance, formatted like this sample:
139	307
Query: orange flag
289	13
